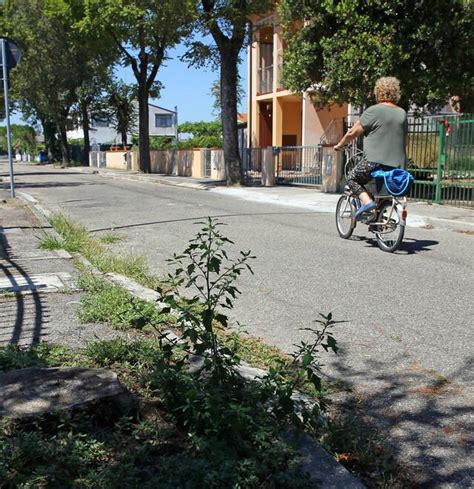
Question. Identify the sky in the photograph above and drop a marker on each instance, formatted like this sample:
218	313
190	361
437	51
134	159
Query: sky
187	88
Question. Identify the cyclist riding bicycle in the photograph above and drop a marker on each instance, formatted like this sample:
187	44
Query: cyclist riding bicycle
385	129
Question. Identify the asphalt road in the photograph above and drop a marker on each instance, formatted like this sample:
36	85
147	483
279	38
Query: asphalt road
407	345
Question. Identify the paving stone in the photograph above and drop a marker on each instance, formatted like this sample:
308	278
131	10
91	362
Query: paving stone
36	391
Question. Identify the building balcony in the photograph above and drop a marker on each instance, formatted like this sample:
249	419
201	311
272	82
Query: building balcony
265	79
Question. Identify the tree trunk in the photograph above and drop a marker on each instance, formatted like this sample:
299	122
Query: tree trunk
61	126
85	129
229	77
124	139
143	126
50	140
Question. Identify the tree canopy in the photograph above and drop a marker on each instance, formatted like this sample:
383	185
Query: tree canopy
227	22
142	30
337	49
58	63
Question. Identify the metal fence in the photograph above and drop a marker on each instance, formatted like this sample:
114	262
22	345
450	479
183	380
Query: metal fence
298	165
440	154
294	165
97	159
252	166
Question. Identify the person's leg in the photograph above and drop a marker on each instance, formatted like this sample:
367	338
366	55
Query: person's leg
358	177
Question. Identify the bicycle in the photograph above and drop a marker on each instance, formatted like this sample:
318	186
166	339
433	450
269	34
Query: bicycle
387	220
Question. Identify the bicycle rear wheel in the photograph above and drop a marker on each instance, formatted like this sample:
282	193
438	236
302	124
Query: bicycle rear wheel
390	231
345	217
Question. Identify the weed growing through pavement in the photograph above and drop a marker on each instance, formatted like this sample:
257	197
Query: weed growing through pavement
110	238
106	303
76	239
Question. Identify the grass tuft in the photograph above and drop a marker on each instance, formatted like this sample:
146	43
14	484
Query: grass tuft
76	238
110	238
106	303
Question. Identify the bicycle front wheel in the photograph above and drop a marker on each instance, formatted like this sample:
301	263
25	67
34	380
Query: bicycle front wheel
345	217
390	231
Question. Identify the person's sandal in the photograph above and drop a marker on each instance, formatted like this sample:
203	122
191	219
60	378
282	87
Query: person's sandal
365	208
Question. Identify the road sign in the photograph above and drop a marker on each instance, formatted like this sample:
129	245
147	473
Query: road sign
13	53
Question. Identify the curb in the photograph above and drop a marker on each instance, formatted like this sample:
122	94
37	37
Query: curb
139	177
317	462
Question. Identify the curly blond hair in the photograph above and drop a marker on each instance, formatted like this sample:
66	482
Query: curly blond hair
387	89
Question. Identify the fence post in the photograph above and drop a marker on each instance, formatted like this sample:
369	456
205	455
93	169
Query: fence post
441	160
268	167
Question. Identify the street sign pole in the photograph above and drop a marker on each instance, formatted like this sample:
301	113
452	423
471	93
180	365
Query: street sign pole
7	113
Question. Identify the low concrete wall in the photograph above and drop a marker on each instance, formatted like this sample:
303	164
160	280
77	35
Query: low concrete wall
183	162
217	164
117	160
161	162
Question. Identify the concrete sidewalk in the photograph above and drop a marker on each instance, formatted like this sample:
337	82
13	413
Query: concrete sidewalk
38	295
420	214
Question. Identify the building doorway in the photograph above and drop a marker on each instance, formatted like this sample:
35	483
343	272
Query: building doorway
265	124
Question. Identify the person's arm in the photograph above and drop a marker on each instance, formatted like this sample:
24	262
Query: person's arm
354	132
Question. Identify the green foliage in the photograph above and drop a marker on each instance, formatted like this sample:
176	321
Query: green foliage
205	268
13	357
83	450
203	134
142	30
110	238
227	22
75	238
103	302
140	353
339	49
121	103
59	64
23	138
212	402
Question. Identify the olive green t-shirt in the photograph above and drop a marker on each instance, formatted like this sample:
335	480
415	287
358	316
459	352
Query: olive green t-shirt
385	132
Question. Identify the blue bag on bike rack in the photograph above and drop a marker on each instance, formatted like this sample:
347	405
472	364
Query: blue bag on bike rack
398	182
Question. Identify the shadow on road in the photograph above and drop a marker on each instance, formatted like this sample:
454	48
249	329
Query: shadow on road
409	246
425	418
20	314
198	219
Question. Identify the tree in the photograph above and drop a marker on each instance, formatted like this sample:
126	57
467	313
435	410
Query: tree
58	67
23	138
203	134
216	95
227	21
338	49
143	30
121	100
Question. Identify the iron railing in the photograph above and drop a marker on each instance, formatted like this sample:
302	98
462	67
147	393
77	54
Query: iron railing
440	153
299	165
265	79
294	165
252	166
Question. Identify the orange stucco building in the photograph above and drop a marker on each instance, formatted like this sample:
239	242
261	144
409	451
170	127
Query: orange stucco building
278	117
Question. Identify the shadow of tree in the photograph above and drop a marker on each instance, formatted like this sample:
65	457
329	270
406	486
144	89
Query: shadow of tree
425	418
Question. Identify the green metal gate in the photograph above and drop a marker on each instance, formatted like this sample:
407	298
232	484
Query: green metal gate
441	158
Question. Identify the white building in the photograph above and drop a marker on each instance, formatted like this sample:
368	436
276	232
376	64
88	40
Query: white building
162	122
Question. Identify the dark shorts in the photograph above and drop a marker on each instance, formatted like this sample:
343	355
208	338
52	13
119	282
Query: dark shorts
361	174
